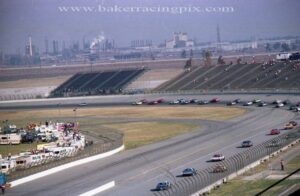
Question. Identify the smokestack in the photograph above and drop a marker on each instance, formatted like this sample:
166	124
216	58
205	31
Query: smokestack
218	34
46	46
30	46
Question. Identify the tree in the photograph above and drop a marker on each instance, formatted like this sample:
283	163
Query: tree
221	60
183	54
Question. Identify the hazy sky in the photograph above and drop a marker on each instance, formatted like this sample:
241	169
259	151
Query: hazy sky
43	18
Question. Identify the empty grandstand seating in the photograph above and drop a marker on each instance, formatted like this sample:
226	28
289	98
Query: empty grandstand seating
270	75
108	82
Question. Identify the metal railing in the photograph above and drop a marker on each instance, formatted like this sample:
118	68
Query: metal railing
70	156
206	177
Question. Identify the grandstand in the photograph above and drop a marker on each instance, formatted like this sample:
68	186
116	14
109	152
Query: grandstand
94	83
272	75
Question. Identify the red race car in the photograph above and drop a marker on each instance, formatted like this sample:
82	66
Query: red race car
152	103
160	101
215	100
274	132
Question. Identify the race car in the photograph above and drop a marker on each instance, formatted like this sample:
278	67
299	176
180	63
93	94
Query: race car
137	103
215	100
189	172
246	143
218	157
274	132
288	126
294	123
163	186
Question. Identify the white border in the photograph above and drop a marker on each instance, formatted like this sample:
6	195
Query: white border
65	166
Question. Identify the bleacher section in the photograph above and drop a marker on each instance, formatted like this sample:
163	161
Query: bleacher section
272	75
108	82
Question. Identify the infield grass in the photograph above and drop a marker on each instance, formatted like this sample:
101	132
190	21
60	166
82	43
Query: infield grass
105	121
250	188
168	112
142	133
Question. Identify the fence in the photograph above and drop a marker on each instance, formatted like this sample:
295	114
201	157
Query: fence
69	156
233	164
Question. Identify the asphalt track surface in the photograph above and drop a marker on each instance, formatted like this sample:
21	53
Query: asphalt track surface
138	171
121	100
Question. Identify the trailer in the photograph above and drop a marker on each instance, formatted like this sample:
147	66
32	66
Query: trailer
8	166
283	56
10	139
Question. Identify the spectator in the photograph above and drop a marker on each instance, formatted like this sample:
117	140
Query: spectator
282	165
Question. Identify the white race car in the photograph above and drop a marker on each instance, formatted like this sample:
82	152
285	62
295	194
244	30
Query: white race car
218	157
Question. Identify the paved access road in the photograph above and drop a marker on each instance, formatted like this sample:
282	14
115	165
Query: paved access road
137	171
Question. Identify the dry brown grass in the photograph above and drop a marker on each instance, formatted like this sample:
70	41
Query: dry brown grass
142	133
136	134
180	112
36	82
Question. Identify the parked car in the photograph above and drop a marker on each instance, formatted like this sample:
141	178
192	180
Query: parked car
189	172
28	138
219	168
163	186
218	157
247	143
274	132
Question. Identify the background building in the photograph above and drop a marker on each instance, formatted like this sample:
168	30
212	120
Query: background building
179	40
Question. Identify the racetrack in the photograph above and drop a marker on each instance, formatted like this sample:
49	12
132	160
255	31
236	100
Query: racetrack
121	100
139	170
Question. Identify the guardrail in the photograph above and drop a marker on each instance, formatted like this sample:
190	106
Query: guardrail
54	161
229	91
205	179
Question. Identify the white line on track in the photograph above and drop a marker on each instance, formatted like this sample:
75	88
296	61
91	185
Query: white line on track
99	189
65	166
